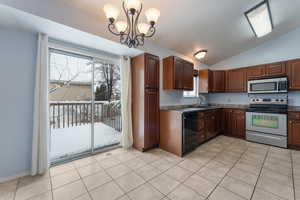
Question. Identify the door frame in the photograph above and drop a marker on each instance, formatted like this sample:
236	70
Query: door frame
94	58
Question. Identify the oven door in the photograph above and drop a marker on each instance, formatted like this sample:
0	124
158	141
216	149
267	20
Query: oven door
267	123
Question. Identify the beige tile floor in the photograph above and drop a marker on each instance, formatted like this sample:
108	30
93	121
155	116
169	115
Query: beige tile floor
222	169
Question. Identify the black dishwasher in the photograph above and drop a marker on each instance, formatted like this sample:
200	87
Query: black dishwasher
190	132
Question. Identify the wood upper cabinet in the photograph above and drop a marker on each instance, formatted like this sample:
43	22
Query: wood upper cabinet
205	77
151	71
236	80
151	118
294	130
293	71
177	74
276	69
218	81
211	81
255	71
188	76
145	101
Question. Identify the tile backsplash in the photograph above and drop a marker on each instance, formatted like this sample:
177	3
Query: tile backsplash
243	98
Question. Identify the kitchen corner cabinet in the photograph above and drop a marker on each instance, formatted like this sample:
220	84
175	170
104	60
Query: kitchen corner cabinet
207	126
293	71
236	80
211	81
145	101
294	130
177	74
233	123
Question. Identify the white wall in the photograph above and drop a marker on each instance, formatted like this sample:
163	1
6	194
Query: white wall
17	75
172	97
283	48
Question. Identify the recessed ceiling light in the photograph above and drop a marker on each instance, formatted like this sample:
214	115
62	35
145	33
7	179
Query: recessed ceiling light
200	54
260	19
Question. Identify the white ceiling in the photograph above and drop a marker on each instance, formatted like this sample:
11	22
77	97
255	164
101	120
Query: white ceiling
184	26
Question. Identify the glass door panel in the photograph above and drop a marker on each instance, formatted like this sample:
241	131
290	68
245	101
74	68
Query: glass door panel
107	105
70	99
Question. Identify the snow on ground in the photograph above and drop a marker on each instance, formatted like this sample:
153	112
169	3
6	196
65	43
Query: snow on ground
77	139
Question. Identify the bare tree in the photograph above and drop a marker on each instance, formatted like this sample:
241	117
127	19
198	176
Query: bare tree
64	74
109	76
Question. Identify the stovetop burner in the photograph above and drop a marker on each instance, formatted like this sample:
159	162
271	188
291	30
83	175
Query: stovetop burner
269	105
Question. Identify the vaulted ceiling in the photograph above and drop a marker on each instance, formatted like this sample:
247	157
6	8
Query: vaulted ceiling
185	26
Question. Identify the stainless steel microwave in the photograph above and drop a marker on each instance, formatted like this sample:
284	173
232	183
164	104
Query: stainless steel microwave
268	85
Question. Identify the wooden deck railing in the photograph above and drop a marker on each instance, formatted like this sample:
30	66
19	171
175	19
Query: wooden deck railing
69	114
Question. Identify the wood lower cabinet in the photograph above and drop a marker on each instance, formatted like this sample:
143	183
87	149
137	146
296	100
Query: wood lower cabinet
293	71
178	74
207	126
211	124
145	101
294	130
151	118
236	80
233	123
238	124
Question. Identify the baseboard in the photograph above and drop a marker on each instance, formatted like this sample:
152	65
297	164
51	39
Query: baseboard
19	175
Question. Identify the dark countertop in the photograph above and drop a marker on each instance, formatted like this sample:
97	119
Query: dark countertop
294	109
197	107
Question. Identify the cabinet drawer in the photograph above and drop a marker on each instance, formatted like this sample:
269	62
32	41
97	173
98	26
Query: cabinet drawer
241	112
294	115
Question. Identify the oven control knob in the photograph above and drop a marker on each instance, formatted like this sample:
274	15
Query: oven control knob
282	100
277	99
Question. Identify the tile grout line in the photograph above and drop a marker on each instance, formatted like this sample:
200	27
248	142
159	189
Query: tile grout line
210	180
17	187
51	185
194	173
203	177
260	173
81	179
226	175
132	171
292	162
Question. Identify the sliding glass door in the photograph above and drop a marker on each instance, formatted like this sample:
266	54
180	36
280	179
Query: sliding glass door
84	98
107	105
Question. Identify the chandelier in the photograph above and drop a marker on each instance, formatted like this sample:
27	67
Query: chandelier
131	32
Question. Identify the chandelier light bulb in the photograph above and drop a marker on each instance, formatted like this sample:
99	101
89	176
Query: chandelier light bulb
110	11
133	4
121	26
152	15
143	28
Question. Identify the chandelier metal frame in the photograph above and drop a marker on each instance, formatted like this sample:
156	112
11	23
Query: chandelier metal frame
131	36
